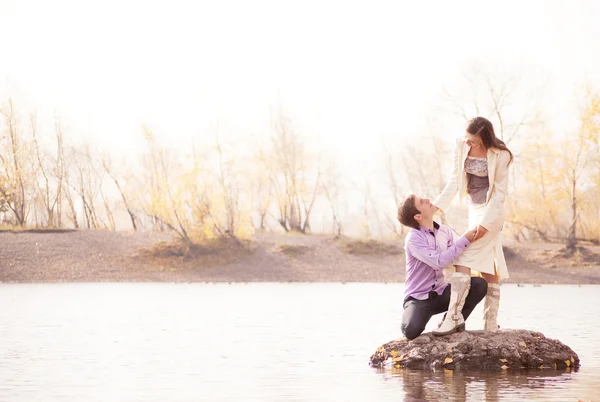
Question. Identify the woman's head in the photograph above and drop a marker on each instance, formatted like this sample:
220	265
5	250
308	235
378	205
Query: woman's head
480	133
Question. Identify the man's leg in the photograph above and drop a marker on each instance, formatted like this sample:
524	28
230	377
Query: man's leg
442	302
415	317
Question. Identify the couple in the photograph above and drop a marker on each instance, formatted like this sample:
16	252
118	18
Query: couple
479	175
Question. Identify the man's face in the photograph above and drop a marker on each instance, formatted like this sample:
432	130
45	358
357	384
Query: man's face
425	207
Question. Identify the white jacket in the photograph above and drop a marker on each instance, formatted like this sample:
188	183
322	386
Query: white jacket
498	160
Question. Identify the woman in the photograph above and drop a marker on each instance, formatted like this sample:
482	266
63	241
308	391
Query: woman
479	175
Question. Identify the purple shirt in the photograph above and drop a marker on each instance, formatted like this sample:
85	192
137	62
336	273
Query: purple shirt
427	254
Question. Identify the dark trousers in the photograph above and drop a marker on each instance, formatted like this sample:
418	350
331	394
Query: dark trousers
417	313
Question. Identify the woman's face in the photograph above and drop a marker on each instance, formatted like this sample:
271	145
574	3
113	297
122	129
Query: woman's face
473	141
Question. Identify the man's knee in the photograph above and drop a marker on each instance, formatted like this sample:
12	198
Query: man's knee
411	331
479	288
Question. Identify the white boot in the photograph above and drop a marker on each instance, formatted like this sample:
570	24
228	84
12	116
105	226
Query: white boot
460	284
491	306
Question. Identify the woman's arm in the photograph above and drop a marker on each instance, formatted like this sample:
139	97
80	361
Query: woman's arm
493	217
444	200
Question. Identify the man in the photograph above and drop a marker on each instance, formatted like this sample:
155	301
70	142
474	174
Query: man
429	248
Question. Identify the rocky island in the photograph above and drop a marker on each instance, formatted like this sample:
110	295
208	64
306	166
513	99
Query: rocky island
477	350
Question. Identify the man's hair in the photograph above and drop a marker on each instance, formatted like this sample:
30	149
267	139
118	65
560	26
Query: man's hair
407	211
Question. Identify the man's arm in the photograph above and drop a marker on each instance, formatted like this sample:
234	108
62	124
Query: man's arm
421	250
470	235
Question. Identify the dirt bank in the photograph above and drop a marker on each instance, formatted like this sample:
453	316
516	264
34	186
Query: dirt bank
103	256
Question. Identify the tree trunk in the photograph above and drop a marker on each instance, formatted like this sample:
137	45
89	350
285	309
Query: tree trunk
571	242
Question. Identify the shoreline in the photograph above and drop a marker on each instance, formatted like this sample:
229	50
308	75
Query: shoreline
143	257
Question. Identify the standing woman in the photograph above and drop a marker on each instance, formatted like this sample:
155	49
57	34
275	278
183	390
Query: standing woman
479	175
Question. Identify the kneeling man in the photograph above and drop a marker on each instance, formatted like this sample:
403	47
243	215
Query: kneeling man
429	248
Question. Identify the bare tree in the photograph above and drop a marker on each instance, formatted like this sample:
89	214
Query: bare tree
107	166
395	189
263	194
331	188
50	196
87	186
164	207
60	172
230	192
13	164
502	97
587	136
288	170
370	209
4	197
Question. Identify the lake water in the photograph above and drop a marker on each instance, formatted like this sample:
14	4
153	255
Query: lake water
263	342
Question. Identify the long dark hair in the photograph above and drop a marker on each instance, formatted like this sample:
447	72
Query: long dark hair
484	128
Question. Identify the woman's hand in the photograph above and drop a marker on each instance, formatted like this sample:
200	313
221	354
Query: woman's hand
470	235
480	232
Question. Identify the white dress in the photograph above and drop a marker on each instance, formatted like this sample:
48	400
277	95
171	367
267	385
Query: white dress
485	254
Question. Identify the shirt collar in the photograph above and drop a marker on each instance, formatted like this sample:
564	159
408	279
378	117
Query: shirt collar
423	229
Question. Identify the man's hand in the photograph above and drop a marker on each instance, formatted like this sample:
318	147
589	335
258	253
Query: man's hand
480	232
471	235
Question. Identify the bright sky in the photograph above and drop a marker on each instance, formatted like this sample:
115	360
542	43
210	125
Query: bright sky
348	72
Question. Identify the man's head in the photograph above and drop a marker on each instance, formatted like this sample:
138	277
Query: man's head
414	210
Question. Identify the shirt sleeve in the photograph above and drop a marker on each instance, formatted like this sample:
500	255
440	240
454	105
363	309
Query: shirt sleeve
438	260
454	237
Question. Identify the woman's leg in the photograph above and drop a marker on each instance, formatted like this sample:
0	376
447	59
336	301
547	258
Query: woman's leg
460	282
492	302
489	278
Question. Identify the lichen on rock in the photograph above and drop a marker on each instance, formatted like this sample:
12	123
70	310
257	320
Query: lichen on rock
477	350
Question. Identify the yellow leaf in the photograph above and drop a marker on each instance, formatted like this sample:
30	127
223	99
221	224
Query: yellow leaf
568	363
448	360
523	344
380	349
394	353
504	367
397	366
503	360
572	360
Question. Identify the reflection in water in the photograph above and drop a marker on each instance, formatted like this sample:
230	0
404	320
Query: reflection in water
449	385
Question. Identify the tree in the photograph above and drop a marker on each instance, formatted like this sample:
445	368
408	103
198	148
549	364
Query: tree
559	183
288	166
49	185
13	159
87	185
4	195
579	157
500	96
261	187
331	189
164	201
107	166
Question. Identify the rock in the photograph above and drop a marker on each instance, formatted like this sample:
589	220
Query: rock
477	350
